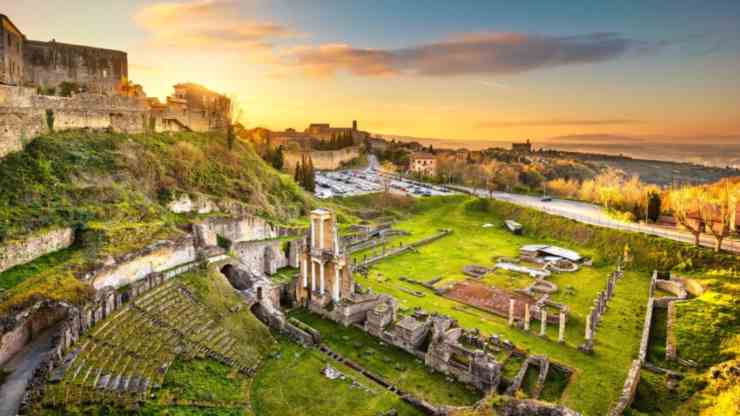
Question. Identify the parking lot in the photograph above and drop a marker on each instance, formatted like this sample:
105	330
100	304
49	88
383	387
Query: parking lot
365	181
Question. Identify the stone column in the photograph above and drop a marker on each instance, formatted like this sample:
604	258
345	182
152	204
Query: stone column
313	234
321	276
313	276
589	332
305	273
511	311
321	233
337	284
543	322
526	317
561	330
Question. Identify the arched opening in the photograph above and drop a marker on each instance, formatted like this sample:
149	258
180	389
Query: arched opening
227	270
259	293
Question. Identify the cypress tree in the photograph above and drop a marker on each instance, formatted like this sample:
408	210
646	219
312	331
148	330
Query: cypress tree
311	176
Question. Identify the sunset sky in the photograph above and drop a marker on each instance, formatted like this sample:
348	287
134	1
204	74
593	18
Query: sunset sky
448	69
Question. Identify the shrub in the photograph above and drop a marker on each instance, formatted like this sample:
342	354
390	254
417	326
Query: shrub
50	119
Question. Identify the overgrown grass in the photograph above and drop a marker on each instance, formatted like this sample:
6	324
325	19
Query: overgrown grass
599	378
204	381
391	363
74	177
12	277
291	383
114	189
213	289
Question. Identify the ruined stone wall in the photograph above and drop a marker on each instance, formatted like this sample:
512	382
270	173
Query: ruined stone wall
157	257
629	389
261	257
23	115
34	246
18	330
322	159
248	228
51	63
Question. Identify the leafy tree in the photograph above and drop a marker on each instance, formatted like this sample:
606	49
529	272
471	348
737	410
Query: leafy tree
683	201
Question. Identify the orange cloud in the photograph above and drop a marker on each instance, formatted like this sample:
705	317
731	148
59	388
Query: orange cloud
207	23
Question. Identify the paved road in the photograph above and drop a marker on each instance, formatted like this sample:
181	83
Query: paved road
595	215
21	367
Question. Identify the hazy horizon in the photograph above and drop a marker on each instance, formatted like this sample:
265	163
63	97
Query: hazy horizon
721	152
439	69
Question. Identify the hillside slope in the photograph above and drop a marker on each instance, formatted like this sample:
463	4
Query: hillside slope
114	190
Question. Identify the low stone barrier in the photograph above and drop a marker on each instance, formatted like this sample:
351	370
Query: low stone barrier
629	389
633	376
402	249
29	248
600	303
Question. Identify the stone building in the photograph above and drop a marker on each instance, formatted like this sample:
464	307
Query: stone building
326	275
525	147
325	131
11	52
423	163
48	64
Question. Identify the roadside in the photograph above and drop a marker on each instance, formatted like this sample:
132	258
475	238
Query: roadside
595	215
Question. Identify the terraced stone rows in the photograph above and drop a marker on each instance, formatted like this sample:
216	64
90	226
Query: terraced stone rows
126	357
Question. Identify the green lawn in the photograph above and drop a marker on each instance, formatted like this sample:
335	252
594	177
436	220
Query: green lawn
598	378
393	364
291	383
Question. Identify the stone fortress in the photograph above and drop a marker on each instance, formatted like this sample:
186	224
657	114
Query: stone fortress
31	70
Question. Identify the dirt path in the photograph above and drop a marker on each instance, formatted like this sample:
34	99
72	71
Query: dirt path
21	368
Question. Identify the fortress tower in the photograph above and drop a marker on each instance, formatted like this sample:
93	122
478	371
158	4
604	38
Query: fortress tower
326	275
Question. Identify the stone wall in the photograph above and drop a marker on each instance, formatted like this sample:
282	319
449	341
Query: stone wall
629	389
41	243
261	257
246	228
19	329
322	159
23	115
157	257
51	63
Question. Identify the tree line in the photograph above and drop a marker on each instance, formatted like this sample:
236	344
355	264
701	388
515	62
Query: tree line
336	142
304	174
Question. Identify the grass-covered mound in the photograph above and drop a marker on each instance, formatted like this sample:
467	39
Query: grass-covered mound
114	190
79	176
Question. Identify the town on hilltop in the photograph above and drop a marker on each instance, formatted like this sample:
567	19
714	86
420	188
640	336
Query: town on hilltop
167	258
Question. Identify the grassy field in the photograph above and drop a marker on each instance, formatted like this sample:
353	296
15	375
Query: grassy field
12	277
393	364
599	377
291	383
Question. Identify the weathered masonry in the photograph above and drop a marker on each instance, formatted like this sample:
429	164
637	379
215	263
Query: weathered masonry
49	64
